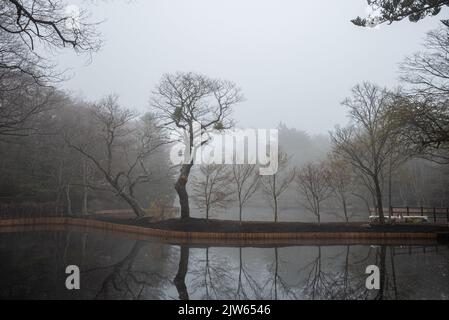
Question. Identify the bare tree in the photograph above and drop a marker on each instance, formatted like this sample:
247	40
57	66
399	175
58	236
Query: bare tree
428	70
246	181
185	100
275	185
211	188
120	147
27	25
341	180
37	165
22	104
424	110
47	21
17	61
313	184
373	140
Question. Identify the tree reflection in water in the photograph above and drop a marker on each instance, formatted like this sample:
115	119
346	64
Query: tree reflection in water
326	276
33	266
349	280
247	286
276	285
213	276
180	278
126	281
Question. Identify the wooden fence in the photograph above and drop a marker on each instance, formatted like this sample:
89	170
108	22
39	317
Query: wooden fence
434	214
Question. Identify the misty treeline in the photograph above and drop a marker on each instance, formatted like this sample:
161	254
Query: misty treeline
316	180
393	152
58	151
83	156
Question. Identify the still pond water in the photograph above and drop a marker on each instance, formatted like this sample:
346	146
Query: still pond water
113	266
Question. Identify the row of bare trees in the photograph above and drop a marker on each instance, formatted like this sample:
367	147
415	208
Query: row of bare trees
372	147
218	186
388	130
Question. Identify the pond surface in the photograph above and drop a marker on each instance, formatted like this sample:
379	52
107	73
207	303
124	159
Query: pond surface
32	266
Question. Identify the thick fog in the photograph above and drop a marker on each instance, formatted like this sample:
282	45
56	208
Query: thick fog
206	149
294	60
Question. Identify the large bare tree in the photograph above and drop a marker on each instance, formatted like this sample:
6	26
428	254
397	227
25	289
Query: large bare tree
194	105
373	141
120	146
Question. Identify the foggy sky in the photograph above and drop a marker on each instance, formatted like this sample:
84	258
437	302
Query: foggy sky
294	60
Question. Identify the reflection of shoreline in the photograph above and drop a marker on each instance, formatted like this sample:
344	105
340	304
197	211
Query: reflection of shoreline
200	243
359	235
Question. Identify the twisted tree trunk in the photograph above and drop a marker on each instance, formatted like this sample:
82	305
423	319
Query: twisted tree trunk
181	189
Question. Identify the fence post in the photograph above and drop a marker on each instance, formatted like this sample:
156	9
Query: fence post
408	211
422	211
447	214
434	215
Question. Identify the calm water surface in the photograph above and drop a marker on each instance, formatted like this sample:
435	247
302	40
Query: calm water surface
32	266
